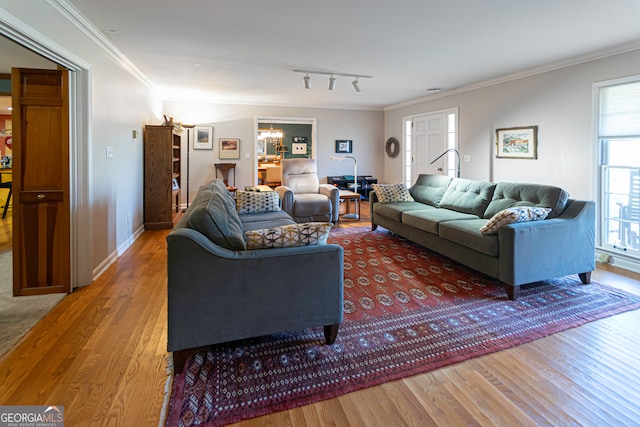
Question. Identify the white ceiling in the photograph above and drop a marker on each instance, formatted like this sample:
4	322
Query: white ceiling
244	51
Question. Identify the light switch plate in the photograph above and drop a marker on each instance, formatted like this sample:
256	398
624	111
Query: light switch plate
109	151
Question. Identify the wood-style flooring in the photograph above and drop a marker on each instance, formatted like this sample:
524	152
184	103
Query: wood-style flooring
101	353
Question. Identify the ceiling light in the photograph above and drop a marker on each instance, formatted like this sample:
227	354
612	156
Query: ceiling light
356	85
332	78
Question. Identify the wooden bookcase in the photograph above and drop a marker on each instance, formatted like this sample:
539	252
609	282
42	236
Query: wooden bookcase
161	171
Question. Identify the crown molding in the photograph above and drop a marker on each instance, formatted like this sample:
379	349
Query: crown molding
594	56
73	15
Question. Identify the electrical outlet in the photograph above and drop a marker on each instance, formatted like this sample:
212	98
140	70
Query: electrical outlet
247	155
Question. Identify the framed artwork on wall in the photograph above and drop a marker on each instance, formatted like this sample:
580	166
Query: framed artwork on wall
203	138
229	148
344	146
517	143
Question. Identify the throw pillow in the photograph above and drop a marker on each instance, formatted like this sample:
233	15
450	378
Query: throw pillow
513	215
390	193
306	234
248	202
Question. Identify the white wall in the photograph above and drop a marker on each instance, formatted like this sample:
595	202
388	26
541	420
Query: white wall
559	102
120	104
365	128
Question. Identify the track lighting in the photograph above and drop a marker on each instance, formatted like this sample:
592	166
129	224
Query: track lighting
356	85
332	78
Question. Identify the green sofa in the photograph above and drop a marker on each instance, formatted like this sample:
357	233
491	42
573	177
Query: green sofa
219	291
446	215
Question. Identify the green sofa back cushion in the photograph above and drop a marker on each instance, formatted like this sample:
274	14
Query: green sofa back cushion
510	194
213	213
465	195
429	189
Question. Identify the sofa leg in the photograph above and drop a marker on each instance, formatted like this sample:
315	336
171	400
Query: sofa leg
512	292
179	360
331	332
585	277
374	227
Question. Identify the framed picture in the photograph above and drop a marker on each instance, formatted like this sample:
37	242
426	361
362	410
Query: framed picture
174	184
298	148
203	138
517	143
229	148
344	145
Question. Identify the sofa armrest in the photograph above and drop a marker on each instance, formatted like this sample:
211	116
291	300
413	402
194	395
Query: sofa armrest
373	199
333	193
218	295
532	251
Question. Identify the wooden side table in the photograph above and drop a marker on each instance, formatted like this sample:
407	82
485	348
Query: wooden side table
224	168
349	196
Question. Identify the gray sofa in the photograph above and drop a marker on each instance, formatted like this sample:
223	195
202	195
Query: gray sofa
219	291
447	214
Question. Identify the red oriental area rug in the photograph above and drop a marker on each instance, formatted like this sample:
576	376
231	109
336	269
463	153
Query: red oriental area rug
407	311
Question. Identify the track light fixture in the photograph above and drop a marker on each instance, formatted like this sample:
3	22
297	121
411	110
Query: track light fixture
332	78
356	85
332	83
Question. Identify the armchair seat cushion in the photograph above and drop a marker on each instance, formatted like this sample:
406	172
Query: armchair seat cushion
310	205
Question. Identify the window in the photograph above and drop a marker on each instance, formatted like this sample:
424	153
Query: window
619	174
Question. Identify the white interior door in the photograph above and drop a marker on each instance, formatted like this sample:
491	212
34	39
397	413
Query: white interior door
428	142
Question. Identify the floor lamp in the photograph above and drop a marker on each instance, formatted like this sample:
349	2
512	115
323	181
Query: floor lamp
189	127
355	180
457	154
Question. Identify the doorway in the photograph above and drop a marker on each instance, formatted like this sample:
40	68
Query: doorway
298	139
24	47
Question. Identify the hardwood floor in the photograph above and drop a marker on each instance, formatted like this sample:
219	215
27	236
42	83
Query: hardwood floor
101	353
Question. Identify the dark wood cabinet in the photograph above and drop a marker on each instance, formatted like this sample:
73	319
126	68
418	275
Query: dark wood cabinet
162	181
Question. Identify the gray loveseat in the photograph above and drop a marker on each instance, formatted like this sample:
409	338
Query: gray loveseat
219	291
447	214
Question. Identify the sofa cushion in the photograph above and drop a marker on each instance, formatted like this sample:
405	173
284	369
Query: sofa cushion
430	219
213	213
467	233
513	215
510	194
392	193
257	202
465	195
429	189
306	234
394	210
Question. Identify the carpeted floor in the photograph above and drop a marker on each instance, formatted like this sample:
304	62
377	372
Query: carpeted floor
407	311
19	314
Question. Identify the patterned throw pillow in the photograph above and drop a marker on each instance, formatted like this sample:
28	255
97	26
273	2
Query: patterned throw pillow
257	202
310	233
389	193
513	215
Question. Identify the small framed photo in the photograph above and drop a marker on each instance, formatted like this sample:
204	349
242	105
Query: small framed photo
203	138
229	148
517	143
174	184
344	146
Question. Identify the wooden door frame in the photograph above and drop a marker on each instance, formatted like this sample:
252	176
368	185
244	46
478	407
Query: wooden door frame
79	137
